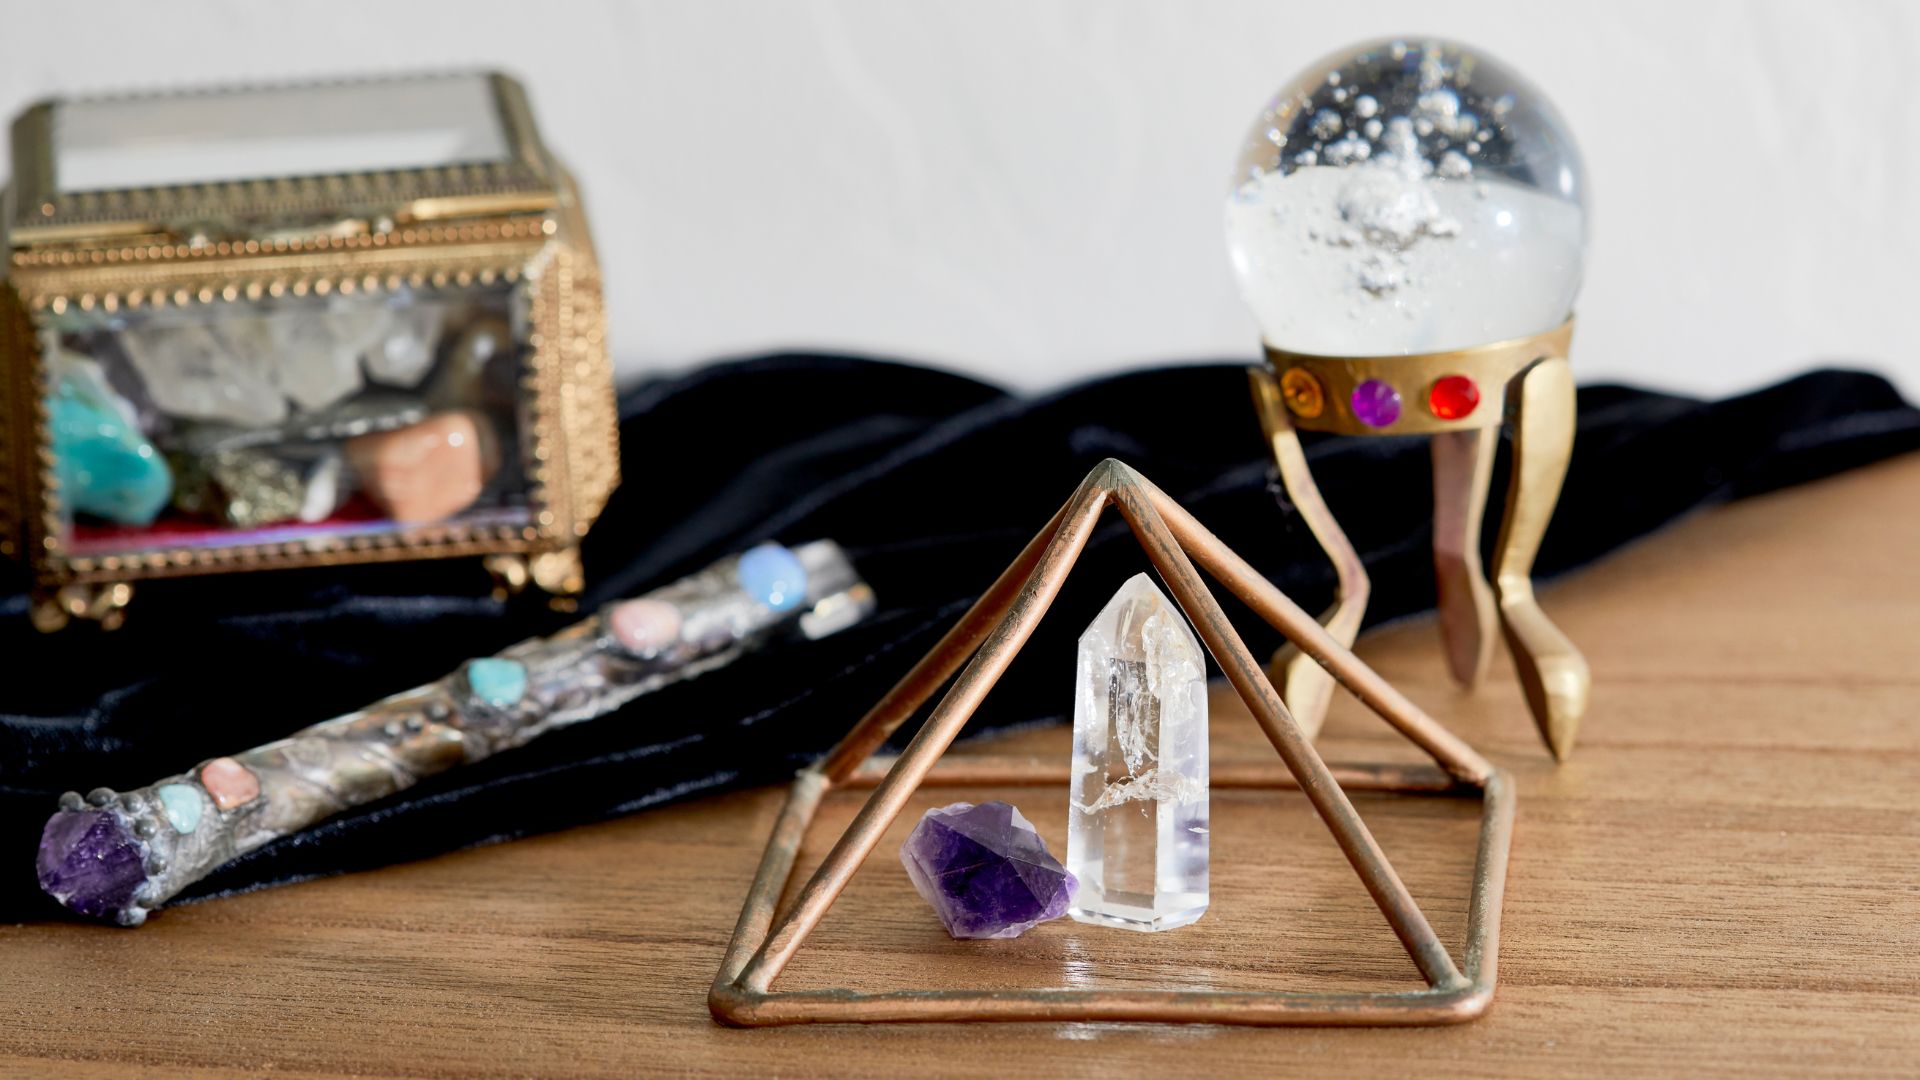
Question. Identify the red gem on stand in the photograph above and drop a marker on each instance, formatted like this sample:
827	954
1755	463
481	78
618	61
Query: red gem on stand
1453	397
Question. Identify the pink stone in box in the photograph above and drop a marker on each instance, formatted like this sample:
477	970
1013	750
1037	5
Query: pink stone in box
426	471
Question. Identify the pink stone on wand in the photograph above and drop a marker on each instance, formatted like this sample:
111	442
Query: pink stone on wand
230	783
644	626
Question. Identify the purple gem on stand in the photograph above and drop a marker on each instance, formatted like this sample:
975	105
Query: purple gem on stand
1376	403
985	870
90	862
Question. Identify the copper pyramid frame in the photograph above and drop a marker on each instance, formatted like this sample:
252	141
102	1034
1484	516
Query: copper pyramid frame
991	633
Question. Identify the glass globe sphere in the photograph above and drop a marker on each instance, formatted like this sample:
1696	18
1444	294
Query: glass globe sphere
1407	197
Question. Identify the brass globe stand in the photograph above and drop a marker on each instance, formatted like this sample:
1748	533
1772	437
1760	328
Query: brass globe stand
1527	377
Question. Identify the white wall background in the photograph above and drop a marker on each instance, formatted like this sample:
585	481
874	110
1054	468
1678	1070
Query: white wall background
1031	191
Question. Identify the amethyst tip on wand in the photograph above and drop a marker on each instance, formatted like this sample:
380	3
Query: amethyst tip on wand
118	855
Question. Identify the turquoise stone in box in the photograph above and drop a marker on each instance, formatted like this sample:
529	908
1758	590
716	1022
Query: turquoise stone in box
497	682
106	467
774	576
183	806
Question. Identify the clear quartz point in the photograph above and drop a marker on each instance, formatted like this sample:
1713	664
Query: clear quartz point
1137	829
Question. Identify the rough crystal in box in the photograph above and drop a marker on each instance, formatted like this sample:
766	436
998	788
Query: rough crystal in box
193	373
1137	830
985	870
403	354
316	354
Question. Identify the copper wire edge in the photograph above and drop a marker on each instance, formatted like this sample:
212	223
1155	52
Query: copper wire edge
985	639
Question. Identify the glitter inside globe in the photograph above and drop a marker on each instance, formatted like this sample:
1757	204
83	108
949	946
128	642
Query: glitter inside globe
1407	196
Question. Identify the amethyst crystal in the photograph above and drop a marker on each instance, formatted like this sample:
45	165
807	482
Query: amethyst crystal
985	870
91	862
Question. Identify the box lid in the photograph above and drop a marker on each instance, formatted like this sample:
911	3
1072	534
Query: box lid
247	161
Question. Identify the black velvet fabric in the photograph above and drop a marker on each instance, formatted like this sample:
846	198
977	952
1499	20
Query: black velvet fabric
932	481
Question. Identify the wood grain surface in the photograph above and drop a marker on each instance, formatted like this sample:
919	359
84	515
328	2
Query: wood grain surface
1724	879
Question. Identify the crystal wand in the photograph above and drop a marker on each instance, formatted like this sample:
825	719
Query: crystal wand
117	856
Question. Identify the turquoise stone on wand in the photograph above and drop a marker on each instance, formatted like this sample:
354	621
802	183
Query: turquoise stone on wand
182	804
497	682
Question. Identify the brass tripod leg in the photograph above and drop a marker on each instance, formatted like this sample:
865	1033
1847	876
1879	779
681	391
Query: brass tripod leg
1304	685
1553	673
1469	618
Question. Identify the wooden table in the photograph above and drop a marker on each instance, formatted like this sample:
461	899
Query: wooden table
1725	877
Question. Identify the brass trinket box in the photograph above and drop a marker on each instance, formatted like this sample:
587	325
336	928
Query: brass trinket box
296	326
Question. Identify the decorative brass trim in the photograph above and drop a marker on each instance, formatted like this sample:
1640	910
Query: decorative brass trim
483	230
438	542
43	214
481	254
523	135
985	640
1491	367
15	344
515	220
88	290
592	421
32	142
545	383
